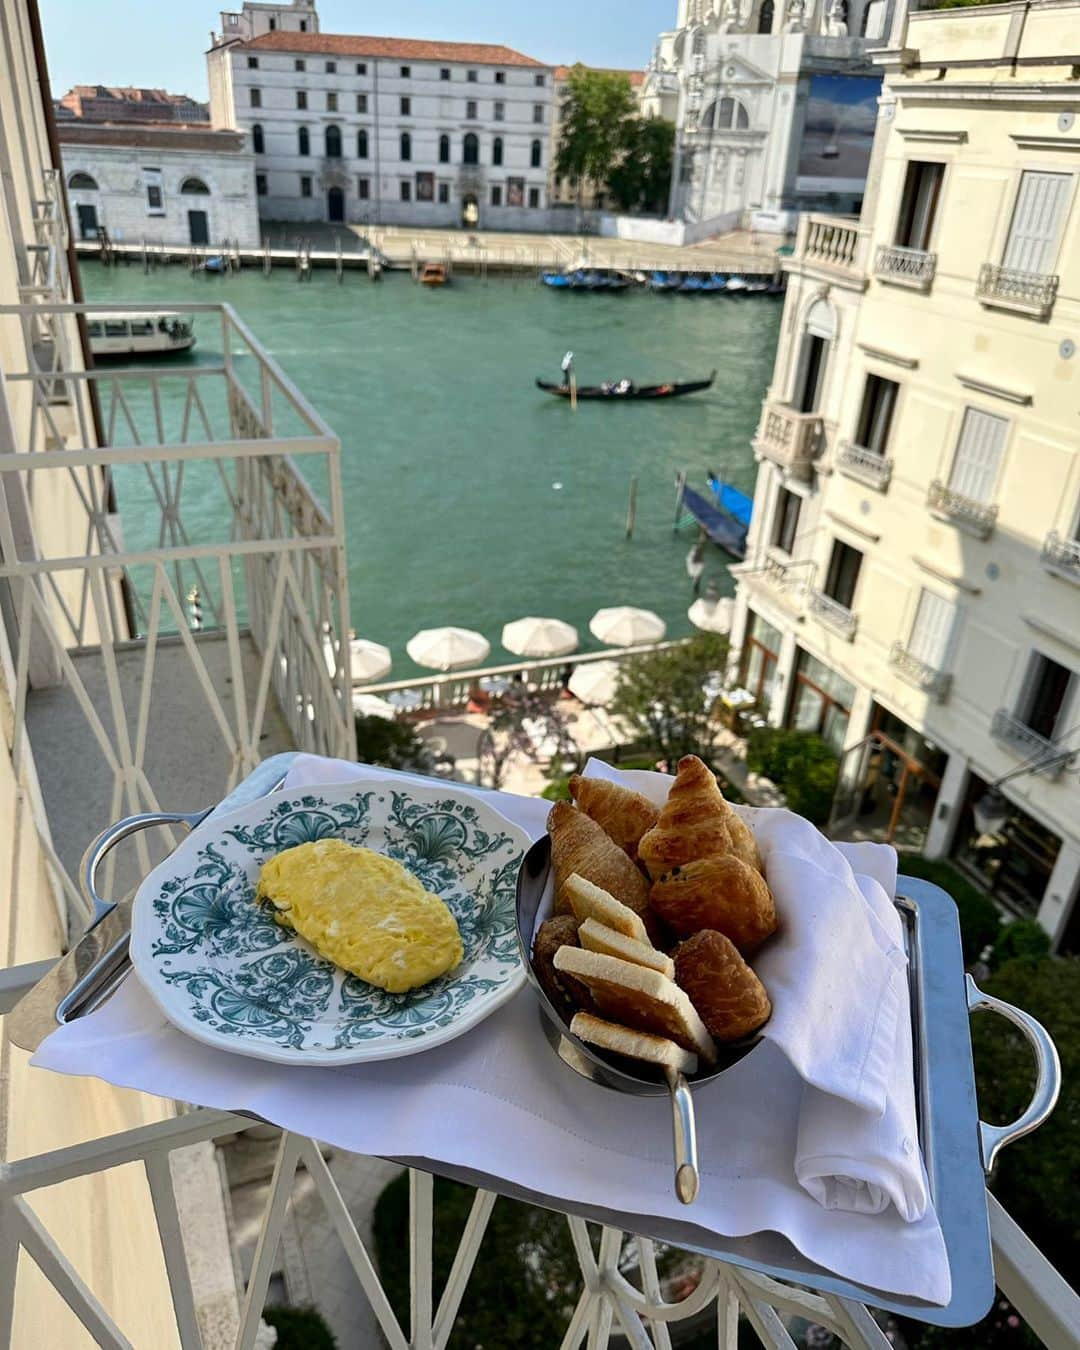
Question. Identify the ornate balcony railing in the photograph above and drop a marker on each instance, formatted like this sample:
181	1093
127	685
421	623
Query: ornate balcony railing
789	438
1049	758
934	682
975	517
864	465
1062	556
1009	288
834	242
905	266
833	614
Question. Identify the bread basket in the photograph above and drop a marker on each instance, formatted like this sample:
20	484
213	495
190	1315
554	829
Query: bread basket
535	903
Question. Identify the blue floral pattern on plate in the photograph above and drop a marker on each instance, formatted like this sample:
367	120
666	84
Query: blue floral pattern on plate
225	971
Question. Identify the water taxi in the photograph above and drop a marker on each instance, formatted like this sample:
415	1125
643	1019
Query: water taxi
156	332
433	274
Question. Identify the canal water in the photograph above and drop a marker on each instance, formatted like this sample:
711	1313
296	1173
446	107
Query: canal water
473	498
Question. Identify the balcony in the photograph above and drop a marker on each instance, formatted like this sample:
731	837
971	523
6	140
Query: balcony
1019	737
833	243
913	267
791	439
976	518
1062	556
833	614
864	465
928	678
1031	293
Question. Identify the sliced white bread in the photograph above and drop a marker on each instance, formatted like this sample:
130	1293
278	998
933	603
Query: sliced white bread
591	902
641	999
635	1044
597	937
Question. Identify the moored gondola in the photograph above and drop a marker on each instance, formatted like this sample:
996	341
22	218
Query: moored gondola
626	390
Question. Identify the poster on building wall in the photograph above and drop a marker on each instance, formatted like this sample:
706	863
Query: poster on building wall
425	187
515	192
839	131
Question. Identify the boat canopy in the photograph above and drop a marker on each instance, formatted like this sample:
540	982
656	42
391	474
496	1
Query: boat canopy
734	502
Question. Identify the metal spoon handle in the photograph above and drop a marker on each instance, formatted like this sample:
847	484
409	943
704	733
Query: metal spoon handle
686	1162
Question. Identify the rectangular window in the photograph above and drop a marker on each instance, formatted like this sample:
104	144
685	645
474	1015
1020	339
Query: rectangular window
301	98
444	73
471	76
876	414
406	106
253	63
406	72
932	630
843	575
361	67
500	77
260	184
305	185
822	700
470	110
256	98
303	25
534	197
331	102
331	67
1037	220
406	190
758	665
500	112
1045	695
361	103
116	328
538	112
300	64
363	188
918	205
978	454
155	192
444	193
539	81
811	378
142	327
786	520
496	195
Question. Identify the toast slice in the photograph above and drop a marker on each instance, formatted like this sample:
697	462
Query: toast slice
641	999
591	902
596	937
634	1044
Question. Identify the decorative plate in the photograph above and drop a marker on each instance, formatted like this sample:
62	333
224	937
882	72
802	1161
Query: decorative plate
224	971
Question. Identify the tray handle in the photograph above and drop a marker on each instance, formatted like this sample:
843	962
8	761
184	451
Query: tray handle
993	1138
109	838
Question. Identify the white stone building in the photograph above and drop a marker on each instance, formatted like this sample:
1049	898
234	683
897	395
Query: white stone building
912	586
384	130
774	101
172	185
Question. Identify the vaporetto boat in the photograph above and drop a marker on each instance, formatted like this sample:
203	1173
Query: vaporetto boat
157	332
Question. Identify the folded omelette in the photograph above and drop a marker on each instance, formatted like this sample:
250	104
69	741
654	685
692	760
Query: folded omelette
363	911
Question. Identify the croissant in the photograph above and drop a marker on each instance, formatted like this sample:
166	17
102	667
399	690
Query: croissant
694	822
723	893
728	996
579	845
622	814
743	843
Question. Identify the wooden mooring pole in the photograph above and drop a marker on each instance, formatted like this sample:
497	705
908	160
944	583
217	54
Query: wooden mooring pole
573	389
631	508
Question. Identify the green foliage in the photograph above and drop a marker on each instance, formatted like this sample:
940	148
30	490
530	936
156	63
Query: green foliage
1001	1329
394	745
641	180
558	790
980	922
300	1329
661	695
598	106
1021	938
799	762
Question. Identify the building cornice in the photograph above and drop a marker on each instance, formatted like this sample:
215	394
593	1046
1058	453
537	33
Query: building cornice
1049	630
871	536
893	358
932	569
1017	396
1028	142
932	135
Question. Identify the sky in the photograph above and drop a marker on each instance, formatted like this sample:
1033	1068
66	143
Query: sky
161	45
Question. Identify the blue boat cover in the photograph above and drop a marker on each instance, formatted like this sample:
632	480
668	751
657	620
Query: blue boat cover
734	502
721	528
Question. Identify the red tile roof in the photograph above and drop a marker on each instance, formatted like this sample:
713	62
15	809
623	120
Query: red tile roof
635	77
414	49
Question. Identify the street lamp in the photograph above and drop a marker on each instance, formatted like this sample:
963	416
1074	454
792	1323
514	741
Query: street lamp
991	811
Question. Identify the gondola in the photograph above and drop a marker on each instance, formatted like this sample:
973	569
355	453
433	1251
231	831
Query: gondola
622	392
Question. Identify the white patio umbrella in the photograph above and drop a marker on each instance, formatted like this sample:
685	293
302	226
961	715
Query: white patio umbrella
367	660
625	626
712	616
539	637
447	648
594	682
370	705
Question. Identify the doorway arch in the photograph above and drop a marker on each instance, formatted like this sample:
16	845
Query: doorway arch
335	205
470	211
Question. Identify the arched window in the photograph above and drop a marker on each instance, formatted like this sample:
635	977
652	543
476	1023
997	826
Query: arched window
362	143
83	181
728	114
535	155
470	149
303	142
195	186
333	142
444	149
497	150
765	16
258	144
406	145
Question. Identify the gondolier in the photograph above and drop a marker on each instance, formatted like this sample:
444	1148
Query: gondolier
567	367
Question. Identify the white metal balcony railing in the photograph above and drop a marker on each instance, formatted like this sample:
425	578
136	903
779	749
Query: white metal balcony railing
835	242
1048	758
1062	556
1008	287
864	465
789	438
977	518
47	278
833	614
905	266
934	682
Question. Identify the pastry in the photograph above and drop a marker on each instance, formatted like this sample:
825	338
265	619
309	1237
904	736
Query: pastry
641	999
565	994
622	814
579	845
729	997
594	937
635	1044
721	893
591	902
743	843
693	822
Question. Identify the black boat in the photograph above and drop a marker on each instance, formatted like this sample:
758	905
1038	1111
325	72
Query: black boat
626	390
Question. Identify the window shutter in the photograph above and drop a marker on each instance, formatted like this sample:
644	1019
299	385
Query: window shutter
1036	222
930	633
978	455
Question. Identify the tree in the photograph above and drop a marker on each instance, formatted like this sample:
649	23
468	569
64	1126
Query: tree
662	696
598	107
394	745
506	737
799	762
641	179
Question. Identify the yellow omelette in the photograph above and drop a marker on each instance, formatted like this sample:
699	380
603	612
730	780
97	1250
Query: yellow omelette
363	911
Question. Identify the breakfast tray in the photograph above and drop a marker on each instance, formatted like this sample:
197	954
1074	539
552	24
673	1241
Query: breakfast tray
958	1148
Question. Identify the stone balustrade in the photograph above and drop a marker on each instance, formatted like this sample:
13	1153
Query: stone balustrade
905	266
833	614
789	438
864	465
1062	556
1010	288
975	517
923	676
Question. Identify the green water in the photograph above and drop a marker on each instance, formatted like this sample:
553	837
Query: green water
451	457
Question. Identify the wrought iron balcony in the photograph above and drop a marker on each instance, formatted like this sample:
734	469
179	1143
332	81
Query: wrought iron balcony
832	242
1049	758
1062	556
976	518
1009	288
789	438
864	465
932	681
833	614
905	266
